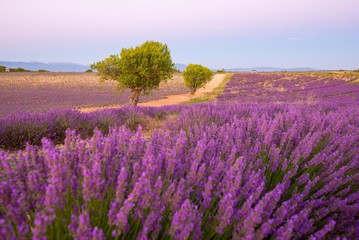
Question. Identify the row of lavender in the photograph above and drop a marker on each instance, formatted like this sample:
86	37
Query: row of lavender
254	87
276	171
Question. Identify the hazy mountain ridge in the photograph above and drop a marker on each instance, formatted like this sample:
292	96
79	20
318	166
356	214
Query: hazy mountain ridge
182	67
273	69
74	67
52	67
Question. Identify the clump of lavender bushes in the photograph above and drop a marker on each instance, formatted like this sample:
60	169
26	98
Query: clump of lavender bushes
18	129
225	172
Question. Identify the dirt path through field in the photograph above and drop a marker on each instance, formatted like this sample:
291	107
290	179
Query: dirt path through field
177	99
172	99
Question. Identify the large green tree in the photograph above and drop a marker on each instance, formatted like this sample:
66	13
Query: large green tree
196	76
141	69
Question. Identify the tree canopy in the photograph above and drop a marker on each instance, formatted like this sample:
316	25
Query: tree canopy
109	68
140	68
196	76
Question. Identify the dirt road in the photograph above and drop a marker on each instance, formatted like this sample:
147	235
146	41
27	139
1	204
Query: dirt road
172	99
177	99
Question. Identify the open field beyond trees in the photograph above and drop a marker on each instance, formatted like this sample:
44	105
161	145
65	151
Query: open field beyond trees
37	92
275	156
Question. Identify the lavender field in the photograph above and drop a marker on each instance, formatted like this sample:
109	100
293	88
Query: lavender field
38	92
288	87
277	157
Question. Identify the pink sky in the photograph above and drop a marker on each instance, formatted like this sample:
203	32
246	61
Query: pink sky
91	30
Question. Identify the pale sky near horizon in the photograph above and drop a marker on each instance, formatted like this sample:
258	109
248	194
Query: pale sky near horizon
219	34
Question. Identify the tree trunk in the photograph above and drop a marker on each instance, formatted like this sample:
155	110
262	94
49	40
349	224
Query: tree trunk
193	90
135	95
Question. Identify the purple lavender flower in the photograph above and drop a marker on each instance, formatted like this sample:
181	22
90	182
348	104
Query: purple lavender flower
92	184
207	193
183	221
152	223
225	213
80	228
321	233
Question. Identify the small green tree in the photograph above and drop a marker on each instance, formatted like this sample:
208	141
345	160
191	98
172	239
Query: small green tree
2	68
141	69
196	76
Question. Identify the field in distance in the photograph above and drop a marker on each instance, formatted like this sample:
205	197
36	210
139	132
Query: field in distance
35	92
284	87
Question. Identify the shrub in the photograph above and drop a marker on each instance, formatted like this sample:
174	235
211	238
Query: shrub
18	70
196	76
221	71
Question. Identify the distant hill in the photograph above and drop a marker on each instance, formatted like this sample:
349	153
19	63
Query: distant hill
73	67
182	67
272	69
59	67
52	67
